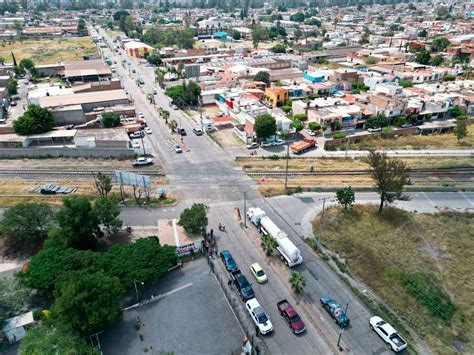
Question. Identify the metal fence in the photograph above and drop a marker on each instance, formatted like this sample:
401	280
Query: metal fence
258	345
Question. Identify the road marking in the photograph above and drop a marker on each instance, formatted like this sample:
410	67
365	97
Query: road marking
158	297
429	200
464	195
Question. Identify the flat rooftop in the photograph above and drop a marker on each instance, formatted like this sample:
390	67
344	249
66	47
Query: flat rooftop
86	68
83	98
104	134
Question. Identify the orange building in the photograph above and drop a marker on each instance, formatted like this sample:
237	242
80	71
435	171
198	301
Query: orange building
137	49
276	96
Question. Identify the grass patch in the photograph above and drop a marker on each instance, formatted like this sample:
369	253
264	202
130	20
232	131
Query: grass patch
153	202
437	141
48	51
419	264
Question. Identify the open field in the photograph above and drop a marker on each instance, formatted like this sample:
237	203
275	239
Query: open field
48	51
437	141
419	264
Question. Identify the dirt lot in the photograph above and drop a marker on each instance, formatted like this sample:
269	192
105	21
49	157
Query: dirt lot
439	141
420	264
226	139
48	51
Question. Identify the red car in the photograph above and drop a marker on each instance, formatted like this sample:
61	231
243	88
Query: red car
13	103
291	317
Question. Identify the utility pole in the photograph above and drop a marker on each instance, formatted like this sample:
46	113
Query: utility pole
245	208
136	288
286	168
342	330
143	145
201	104
321	224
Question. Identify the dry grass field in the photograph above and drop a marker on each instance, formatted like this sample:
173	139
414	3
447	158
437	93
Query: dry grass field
48	51
419	264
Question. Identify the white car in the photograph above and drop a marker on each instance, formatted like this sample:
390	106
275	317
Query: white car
135	143
371	130
177	148
278	142
311	132
174	107
266	144
140	114
387	333
148	130
259	316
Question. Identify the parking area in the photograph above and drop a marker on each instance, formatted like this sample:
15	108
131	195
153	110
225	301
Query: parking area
191	316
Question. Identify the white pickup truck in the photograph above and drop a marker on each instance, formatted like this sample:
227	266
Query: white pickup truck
388	334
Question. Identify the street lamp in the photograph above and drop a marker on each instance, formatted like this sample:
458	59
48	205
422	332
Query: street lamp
245	208
321	222
136	288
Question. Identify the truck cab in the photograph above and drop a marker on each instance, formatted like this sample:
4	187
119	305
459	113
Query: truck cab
242	285
291	317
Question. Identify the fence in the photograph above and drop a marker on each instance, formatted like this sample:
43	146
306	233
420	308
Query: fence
258	345
65	152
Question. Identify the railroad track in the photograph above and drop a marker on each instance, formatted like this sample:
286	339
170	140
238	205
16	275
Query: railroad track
413	172
67	173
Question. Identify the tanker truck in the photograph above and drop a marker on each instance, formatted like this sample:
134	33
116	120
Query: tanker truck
290	254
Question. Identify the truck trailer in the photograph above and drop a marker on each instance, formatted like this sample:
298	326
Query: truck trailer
290	254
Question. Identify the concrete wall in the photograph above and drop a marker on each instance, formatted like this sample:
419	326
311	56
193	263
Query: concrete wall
65	152
69	117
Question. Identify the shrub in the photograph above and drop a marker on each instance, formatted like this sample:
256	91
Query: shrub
461	118
300	116
286	108
387	132
338	135
298	189
314	126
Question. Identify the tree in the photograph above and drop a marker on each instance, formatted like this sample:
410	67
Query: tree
103	184
191	94
377	121
35	120
449	77
86	303
461	130
279	48
110	119
268	244
78	223
27	64
194	219
43	339
108	212
297	281
259	34
263	76
314	126
297	17
423	34
154	59
27	223
437	61
390	177
439	44
336	125
18	28
297	124
12	86
405	83
297	34
345	197
423	57
286	108
265	126
400	120
456	111
12	298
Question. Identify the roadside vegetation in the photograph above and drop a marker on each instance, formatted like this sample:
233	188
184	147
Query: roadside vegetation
418	264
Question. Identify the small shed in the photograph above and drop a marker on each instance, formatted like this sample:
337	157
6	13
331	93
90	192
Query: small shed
15	328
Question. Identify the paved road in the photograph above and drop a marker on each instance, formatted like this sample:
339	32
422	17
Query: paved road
205	173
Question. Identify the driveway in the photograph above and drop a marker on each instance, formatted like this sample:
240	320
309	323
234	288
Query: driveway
191	316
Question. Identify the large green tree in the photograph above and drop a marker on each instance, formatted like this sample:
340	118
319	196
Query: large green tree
390	177
423	57
110	119
103	184
194	219
108	212
78	223
263	76
12	86
47	339
265	126
26	223
86	303
345	197
297	281
439	44
35	120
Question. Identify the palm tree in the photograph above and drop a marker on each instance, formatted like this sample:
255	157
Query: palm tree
173	125
268	244
297	281
166	115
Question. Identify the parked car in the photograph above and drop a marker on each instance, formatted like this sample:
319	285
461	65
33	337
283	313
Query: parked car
137	134
371	130
266	144
13	103
259	316
278	142
418	123
140	114
387	333
311	132
197	131
181	131
135	143
173	106
335	310
228	260
142	161
148	130
177	148
406	125
291	317
253	145
133	71
258	273
243	286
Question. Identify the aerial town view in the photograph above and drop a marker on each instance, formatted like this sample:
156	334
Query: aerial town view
236	177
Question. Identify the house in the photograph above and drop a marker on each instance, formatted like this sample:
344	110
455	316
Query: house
276	96
85	71
15	328
137	49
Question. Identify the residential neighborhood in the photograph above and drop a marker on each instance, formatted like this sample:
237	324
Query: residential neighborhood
244	177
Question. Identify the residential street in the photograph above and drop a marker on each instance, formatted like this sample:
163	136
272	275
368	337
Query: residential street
205	173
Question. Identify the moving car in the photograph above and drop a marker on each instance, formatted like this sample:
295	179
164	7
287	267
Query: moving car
197	131
291	317
371	130
387	333
177	148
181	131
258	273
335	310
253	145
148	130
228	260
142	161
259	316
